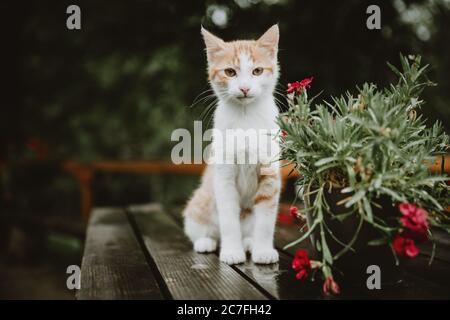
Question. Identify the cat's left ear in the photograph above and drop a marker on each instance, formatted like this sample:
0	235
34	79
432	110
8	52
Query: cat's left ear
269	40
213	44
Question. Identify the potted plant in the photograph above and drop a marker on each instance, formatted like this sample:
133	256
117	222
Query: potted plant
364	163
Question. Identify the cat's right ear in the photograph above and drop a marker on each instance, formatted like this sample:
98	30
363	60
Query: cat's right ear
213	44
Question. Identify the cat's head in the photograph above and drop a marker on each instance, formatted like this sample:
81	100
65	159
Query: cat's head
243	71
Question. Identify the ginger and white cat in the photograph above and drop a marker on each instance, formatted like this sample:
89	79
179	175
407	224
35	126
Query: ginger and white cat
238	203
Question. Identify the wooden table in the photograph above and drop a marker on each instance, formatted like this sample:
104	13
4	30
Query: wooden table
142	253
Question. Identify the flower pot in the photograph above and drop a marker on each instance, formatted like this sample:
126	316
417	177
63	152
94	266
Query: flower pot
352	266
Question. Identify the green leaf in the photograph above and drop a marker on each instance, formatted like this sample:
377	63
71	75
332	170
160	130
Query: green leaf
396	196
306	235
341	217
378	242
324	161
352	241
355	198
368	209
318	246
326	251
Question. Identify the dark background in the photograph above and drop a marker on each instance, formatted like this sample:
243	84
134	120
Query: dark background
117	88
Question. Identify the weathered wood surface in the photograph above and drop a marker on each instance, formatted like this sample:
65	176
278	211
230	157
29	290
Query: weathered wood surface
114	265
187	274
148	256
278	280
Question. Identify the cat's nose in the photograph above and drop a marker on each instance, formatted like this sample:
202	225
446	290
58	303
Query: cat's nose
244	90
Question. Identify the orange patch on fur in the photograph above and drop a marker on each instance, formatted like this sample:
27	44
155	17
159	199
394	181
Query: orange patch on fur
245	212
229	57
266	197
262	198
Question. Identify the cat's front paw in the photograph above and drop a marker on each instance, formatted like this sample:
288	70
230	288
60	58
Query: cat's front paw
232	256
265	256
203	245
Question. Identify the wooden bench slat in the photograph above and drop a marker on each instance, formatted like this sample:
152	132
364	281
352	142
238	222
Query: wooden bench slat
187	274
114	266
278	279
285	234
412	288
437	272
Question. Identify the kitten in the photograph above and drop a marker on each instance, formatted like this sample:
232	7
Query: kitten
238	203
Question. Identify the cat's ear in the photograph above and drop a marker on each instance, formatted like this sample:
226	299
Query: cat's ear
269	40
213	44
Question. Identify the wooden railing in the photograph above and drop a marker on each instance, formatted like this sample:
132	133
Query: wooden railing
84	173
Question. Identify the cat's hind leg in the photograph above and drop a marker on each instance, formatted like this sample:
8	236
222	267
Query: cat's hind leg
200	219
203	236
205	244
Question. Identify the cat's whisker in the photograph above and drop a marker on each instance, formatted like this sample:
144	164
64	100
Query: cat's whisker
206	99
208	110
209	106
210	114
203	99
201	93
199	99
281	106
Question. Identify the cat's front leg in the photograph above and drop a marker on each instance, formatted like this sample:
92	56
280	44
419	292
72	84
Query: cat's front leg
228	208
265	210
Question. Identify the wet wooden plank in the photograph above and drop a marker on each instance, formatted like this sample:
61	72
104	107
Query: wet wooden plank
277	280
114	266
419	281
436	272
285	234
187	274
412	287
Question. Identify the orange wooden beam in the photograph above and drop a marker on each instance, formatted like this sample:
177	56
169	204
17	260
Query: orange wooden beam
84	173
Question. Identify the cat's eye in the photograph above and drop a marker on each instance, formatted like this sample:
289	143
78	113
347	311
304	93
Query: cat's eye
258	71
230	72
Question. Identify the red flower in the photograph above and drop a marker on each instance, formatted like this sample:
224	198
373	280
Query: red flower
38	147
283	134
415	221
294	212
331	287
404	246
298	86
306	83
294	86
284	218
301	264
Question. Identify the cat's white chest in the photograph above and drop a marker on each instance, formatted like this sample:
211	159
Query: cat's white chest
262	120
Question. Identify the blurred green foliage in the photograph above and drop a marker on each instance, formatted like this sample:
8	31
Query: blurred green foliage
118	87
